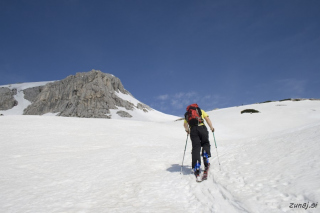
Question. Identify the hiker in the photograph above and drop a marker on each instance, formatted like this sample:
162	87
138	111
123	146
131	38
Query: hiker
194	125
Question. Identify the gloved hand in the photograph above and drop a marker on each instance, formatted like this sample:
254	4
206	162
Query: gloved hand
212	129
188	131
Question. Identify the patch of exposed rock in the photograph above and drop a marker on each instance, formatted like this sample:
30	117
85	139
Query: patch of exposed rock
124	114
249	111
87	94
31	93
7	100
143	107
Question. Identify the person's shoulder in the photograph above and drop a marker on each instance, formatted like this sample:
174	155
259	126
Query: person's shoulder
204	113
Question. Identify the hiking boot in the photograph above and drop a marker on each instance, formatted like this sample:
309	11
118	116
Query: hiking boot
198	177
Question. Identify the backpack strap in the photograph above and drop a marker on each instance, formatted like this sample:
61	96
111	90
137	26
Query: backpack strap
200	113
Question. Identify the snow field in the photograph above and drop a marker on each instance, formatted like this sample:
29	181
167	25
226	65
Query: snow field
275	160
56	164
269	173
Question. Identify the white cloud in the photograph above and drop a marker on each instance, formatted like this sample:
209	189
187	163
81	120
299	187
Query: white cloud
207	97
180	100
163	97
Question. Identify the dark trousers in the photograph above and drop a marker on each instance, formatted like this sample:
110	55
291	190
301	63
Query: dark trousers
200	138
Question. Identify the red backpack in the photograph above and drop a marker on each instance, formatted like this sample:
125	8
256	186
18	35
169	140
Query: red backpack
193	115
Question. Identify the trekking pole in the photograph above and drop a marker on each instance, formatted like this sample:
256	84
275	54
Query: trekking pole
184	153
216	150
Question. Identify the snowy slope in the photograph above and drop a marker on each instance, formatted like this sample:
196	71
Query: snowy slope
137	114
56	164
273	117
270	159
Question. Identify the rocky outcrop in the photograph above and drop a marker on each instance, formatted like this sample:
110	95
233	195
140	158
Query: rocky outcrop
143	107
7	100
124	114
31	93
249	111
88	94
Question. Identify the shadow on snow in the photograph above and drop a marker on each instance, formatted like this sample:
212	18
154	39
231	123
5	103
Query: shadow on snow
186	170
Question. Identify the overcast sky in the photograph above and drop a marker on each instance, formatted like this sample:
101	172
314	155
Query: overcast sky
169	53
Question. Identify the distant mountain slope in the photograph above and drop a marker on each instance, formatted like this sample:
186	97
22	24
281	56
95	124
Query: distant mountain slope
91	94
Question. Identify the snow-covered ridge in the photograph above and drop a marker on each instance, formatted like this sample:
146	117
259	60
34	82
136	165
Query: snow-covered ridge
273	117
23	86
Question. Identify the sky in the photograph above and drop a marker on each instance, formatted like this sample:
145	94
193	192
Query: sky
169	53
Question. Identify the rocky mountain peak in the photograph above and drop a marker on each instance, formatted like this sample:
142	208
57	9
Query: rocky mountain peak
85	94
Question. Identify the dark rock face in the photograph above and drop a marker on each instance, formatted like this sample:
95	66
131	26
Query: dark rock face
7	100
88	94
249	111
